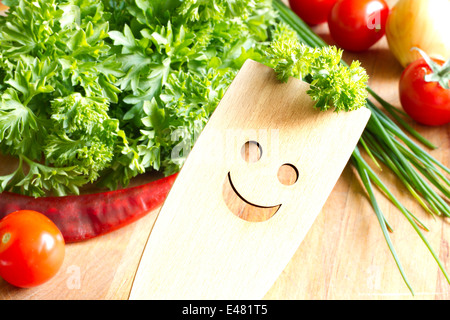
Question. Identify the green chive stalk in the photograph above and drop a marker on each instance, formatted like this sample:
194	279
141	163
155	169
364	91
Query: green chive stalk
386	142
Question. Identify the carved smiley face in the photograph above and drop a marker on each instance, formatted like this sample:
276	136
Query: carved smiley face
239	204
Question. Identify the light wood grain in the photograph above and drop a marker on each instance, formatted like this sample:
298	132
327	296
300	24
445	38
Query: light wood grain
198	249
343	256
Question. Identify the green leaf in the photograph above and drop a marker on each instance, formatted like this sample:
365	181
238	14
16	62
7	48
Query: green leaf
125	38
21	131
71	16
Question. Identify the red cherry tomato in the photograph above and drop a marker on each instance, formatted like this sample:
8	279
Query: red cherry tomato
356	25
427	103
32	248
313	12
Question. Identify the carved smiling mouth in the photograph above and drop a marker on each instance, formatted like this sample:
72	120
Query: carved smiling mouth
243	208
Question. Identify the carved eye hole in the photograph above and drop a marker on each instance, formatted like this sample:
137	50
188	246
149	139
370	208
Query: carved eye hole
251	151
288	174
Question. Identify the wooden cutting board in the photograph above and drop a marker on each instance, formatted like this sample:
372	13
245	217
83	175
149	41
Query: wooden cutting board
343	256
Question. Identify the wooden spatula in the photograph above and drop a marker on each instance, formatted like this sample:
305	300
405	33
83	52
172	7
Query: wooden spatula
201	247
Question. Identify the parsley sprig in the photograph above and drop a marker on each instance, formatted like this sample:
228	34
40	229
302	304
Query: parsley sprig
333	85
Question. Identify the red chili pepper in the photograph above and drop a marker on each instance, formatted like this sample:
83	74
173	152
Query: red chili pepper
86	216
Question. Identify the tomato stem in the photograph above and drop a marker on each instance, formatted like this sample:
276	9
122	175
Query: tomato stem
440	74
6	237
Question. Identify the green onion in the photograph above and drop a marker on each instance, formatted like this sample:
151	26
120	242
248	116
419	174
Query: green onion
388	143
